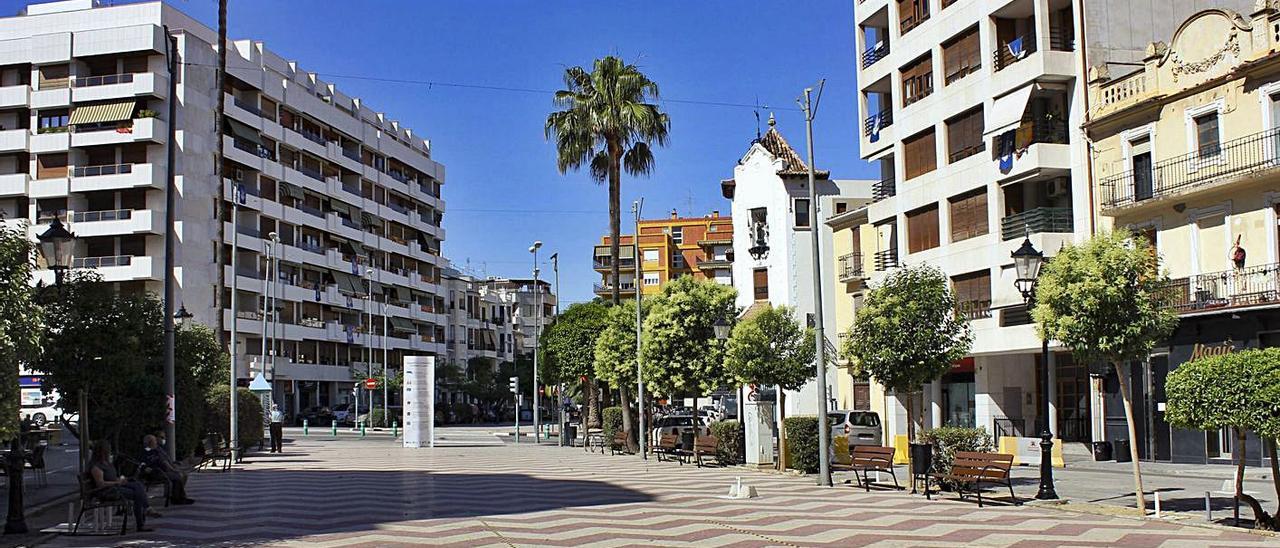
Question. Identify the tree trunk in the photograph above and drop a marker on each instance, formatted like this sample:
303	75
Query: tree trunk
1275	466
627	428
1238	452
1126	395
615	218
593	404
782	429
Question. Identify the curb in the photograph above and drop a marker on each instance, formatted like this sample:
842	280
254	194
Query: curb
1065	506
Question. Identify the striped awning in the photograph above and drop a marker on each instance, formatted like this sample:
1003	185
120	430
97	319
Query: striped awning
243	131
402	325
347	283
106	112
340	207
367	219
292	190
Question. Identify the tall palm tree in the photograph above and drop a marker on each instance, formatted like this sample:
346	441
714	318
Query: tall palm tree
608	123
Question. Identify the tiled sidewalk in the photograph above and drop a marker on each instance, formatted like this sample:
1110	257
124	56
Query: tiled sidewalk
475	493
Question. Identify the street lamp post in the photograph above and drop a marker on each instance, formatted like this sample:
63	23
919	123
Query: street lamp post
56	245
555	269
1027	260
643	435
537	326
368	347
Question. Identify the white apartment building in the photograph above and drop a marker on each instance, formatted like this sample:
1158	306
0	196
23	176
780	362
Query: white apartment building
533	308
972	109
479	322
352	196
772	250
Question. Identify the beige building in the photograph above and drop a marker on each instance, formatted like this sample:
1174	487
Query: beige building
852	262
1186	152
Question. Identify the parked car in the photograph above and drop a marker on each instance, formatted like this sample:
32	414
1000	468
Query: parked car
315	416
342	413
861	427
41	413
678	424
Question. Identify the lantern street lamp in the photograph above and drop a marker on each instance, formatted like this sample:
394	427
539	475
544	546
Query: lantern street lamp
56	245
721	328
1027	261
181	315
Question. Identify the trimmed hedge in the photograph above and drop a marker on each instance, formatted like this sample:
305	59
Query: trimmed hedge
730	442
249	423
949	439
611	417
802	443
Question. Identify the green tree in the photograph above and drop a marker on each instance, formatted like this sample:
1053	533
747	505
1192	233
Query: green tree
609	124
908	332
569	348
20	319
1105	300
1240	391
771	349
199	365
679	348
615	355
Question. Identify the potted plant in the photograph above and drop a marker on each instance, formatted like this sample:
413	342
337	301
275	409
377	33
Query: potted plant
147	113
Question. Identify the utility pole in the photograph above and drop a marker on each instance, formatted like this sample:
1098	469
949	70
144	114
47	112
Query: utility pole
824	432
386	421
555	269
537	326
170	242
368	347
236	199
642	436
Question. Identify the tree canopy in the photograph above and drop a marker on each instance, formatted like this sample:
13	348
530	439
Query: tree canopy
569	343
1240	390
20	321
770	348
1105	299
679	348
615	352
908	331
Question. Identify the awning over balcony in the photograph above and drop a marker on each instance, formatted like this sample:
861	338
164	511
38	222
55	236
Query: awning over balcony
340	207
106	112
347	283
367	219
402	325
292	190
625	251
1007	111
403	294
241	131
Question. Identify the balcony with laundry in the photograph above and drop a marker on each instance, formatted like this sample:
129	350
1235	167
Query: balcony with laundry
1029	131
1026	47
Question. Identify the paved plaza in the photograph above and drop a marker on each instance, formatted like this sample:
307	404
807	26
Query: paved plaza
476	489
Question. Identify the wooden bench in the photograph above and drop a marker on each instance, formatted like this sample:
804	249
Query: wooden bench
867	459
970	470
619	444
706	446
669	447
213	452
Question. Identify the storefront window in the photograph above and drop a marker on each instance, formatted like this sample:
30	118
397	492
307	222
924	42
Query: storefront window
958	400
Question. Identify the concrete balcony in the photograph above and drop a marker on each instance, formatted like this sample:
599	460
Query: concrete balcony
119	86
346	228
116	177
14	140
240	154
243	111
14	184
116	222
345	158
142	130
123	268
15	96
51	141
51	98
305	143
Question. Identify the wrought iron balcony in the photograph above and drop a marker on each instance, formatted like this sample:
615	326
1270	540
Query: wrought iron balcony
1037	221
1014	50
850	267
1248	155
886	259
877	121
1252	286
882	189
875	53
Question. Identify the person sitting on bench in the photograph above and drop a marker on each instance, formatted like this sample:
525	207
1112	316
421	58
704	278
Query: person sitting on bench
105	477
157	461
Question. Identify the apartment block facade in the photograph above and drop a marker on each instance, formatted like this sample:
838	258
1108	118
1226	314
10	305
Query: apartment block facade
972	109
344	198
701	247
1187	157
533	308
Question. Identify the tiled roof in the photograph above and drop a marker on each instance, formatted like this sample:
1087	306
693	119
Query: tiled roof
778	146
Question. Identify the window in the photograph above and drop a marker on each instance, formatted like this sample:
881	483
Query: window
917	80
922	229
650	278
53	121
961	56
1140	160
802	212
677	234
650	255
920	156
760	281
969	215
973	294
964	135
1207	135
677	260
911	13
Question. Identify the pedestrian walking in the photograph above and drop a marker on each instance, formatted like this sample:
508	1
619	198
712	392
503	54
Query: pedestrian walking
277	429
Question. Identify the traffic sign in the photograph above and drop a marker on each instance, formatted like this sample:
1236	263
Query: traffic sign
371	383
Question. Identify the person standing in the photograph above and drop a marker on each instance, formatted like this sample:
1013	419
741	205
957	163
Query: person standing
277	429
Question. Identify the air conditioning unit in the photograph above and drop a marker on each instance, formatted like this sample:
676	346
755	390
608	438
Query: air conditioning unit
1059	187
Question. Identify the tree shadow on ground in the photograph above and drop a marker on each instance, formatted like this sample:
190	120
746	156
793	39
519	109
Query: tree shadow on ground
251	507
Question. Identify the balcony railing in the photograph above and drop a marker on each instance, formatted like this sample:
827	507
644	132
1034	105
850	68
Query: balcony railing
974	310
1037	221
1252	286
875	53
850	265
246	105
104	80
1014	50
312	135
101	262
624	286
309	172
876	122
886	259
352	154
883	189
604	263
94	171
1244	156
104	215
254	149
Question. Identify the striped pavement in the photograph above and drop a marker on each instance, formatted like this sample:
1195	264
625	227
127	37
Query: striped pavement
477	490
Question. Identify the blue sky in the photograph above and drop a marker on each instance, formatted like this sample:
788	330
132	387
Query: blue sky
502	187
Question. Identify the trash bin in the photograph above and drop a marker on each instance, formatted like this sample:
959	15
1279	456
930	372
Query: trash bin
921	455
1101	451
1121	450
568	433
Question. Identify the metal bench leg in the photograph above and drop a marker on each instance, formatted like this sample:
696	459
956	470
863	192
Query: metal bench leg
977	489
1016	502
927	496
894	475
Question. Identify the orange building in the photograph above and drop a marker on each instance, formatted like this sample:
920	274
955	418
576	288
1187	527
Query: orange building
698	246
